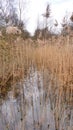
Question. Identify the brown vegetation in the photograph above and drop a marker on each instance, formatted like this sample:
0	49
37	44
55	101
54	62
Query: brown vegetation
16	58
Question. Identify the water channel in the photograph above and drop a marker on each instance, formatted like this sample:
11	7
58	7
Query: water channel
29	105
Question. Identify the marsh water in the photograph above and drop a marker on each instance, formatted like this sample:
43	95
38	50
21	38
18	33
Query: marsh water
31	105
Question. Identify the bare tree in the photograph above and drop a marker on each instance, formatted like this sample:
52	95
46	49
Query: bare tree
65	25
47	12
8	15
71	18
21	11
46	15
56	23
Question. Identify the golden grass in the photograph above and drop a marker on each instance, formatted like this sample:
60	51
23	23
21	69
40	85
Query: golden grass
15	60
58	59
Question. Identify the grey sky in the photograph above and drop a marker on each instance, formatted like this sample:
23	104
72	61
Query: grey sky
35	8
59	8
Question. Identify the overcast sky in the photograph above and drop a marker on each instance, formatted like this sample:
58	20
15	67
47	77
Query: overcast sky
59	8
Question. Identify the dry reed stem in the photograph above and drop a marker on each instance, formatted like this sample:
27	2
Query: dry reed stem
16	58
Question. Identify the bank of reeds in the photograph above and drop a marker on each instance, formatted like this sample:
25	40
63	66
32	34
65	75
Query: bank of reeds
16	58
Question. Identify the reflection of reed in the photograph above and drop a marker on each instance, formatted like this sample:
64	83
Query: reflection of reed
40	98
16	59
22	106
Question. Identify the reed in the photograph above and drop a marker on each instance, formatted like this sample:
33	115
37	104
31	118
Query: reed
17	58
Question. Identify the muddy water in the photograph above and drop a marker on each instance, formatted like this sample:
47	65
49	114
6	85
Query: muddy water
29	107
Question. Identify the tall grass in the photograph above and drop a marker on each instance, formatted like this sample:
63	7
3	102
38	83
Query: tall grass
16	58
58	60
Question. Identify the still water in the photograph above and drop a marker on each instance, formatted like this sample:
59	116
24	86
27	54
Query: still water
30	105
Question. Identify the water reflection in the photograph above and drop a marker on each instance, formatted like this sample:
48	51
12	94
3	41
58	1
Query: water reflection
29	106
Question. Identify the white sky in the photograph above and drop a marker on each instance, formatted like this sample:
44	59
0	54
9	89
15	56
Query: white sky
59	8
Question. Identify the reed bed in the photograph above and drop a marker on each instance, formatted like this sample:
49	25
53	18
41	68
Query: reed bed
17	58
57	59
54	60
